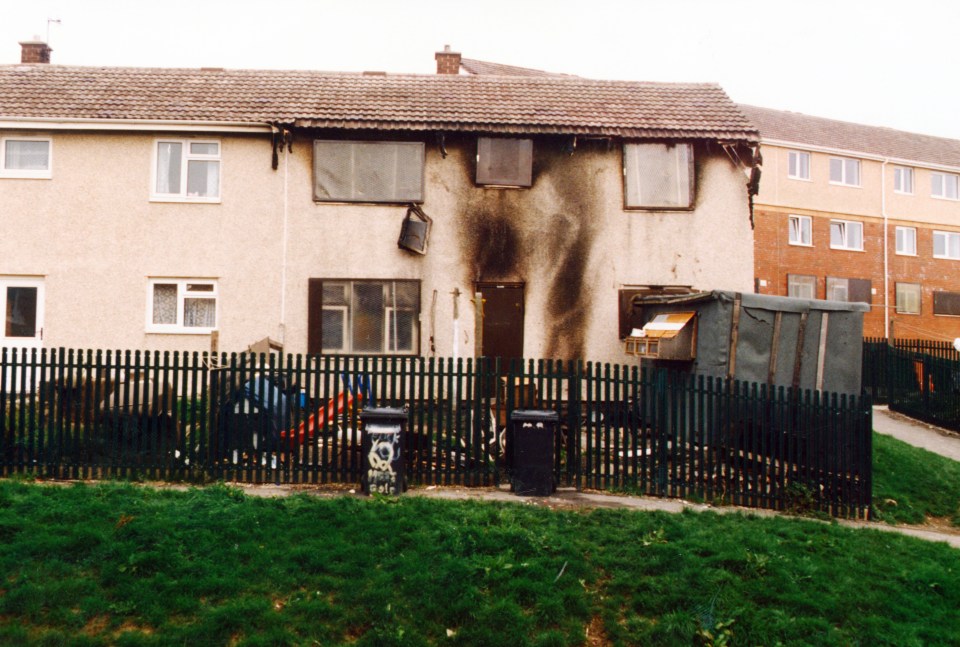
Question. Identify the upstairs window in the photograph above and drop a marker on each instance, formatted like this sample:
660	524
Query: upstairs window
907	241
658	176
187	170
798	165
946	244
844	170
182	306
943	185
505	162
846	234
801	230
351	171
363	317
25	157
902	179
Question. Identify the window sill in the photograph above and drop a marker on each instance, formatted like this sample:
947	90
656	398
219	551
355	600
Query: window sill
800	179
800	244
668	209
912	314
25	175
179	331
180	199
945	198
913	254
849	186
847	249
947	258
903	192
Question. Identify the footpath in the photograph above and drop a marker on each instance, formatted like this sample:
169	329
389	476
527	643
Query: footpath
884	421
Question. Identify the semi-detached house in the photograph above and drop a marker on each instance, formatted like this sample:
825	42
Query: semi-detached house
149	208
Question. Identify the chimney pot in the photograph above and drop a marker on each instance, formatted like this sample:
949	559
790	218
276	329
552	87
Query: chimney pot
448	62
34	51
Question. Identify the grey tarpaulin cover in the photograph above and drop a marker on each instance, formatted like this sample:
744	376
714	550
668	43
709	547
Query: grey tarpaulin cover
829	351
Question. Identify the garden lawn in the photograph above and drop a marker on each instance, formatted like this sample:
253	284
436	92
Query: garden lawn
129	565
913	485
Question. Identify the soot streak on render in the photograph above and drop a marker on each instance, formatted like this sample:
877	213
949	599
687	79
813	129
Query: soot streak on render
493	241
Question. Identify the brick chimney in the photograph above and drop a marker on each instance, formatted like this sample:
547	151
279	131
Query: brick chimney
448	62
34	51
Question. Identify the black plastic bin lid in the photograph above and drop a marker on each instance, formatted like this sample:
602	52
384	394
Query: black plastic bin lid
534	415
384	413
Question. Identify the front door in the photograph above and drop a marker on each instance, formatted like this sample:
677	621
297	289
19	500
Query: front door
502	320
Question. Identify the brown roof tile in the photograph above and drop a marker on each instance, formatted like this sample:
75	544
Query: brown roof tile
473	66
801	129
399	102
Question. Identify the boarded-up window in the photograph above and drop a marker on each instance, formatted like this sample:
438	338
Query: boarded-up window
504	162
946	303
658	176
851	290
908	298
368	317
347	171
801	286
630	316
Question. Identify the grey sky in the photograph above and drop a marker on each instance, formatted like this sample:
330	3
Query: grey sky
882	62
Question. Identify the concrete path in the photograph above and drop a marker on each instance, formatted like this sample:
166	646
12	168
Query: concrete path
916	433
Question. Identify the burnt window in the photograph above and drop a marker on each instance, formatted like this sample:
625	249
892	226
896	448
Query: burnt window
658	176
851	290
504	162
630	315
946	303
363	317
350	171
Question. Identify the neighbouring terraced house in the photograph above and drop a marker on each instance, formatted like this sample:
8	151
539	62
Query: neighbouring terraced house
359	213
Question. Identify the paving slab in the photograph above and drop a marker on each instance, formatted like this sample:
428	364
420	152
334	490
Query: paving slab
916	433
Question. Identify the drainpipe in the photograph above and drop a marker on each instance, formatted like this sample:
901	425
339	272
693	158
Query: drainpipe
283	269
886	252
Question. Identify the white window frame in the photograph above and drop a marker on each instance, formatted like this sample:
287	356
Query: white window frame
186	157
28	174
905	235
795	170
946	236
795	235
179	328
938	185
903	177
845	226
909	304
845	180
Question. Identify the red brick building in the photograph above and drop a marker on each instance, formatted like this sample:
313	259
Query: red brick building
860	213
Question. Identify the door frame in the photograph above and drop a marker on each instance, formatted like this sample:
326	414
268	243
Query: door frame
479	287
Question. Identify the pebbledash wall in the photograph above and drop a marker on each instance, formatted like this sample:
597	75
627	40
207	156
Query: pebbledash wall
93	235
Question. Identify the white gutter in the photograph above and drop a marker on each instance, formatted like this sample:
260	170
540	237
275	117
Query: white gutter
154	125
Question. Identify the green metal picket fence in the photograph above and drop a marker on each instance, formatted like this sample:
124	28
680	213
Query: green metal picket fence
877	360
297	419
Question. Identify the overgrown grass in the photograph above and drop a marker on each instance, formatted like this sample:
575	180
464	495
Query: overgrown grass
911	484
126	565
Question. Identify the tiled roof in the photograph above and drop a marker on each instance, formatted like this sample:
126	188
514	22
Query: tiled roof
504	104
800	129
473	66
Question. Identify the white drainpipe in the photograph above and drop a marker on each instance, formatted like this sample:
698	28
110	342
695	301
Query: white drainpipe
886	245
283	271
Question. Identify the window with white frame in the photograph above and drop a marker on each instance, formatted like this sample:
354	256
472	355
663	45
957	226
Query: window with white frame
846	234
801	287
364	316
907	241
798	165
658	176
946	244
186	170
908	298
844	170
360	171
801	230
944	185
181	305
902	179
25	157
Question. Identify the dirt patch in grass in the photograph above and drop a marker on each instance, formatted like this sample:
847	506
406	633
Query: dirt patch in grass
596	634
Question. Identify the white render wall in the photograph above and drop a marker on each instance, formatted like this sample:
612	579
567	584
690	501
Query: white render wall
94	235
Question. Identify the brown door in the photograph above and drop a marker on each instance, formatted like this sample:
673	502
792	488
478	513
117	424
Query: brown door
502	320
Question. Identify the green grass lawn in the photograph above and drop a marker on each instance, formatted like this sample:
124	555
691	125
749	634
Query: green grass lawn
911	484
128	565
